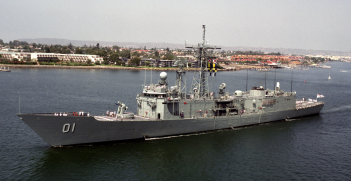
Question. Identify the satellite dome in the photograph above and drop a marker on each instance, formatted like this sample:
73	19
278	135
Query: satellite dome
163	75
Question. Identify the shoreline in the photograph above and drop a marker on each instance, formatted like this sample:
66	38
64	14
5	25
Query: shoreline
109	67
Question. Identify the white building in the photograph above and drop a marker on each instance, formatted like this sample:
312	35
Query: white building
11	55
51	56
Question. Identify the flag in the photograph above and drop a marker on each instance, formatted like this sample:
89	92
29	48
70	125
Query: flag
319	96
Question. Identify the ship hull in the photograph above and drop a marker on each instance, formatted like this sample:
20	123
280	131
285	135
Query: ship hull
70	130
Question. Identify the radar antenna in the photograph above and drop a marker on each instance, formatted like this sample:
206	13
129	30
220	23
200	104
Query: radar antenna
204	55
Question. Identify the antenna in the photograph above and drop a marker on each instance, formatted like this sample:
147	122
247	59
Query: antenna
145	78
247	78
19	103
203	35
185	85
275	75
292	74
265	80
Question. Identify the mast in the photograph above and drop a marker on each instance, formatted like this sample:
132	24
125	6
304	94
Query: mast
265	80
203	55
180	78
19	103
247	78
292	74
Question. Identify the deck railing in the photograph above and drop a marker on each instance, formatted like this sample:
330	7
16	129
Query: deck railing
307	104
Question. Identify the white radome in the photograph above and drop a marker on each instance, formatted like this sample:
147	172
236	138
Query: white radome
163	75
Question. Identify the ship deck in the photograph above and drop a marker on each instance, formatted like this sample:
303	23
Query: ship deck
98	118
307	104
109	118
299	105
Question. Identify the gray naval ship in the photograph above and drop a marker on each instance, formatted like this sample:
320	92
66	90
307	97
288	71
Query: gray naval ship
164	110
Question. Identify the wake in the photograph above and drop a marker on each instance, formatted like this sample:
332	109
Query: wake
337	109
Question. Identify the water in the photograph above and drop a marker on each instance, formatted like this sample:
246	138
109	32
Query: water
311	148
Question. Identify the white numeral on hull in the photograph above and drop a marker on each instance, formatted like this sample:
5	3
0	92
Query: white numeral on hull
67	126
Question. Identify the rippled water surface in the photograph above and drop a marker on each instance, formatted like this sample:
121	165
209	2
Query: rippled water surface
311	148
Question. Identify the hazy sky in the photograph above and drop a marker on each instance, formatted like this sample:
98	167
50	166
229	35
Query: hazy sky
302	24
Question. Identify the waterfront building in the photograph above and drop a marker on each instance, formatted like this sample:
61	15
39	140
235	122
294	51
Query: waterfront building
157	62
265	58
11	55
152	62
22	56
80	58
188	57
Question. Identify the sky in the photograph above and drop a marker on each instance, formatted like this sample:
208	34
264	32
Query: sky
297	24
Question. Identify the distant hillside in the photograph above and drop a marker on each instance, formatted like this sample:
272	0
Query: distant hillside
101	43
181	46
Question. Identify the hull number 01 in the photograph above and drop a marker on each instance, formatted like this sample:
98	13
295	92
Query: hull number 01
67	127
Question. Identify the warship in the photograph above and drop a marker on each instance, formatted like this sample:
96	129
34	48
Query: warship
164	110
